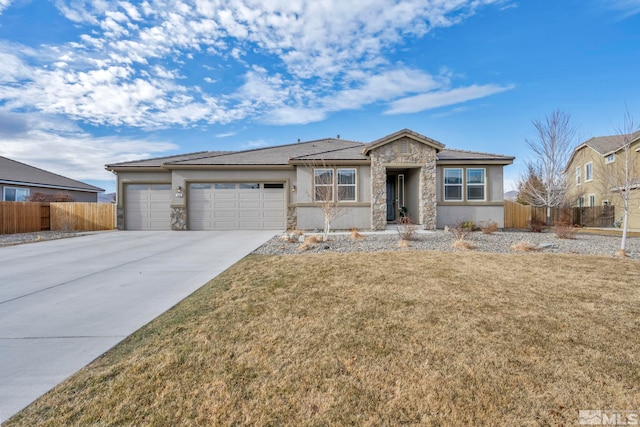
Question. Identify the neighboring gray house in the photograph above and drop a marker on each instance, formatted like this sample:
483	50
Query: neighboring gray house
18	181
278	187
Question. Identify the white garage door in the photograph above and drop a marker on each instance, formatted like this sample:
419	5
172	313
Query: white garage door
237	206
148	207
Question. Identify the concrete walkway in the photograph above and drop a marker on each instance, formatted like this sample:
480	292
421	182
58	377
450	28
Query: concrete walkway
65	302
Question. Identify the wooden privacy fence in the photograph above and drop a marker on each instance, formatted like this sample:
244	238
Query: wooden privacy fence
521	216
27	217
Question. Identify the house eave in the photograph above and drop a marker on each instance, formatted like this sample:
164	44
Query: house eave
54	187
228	167
329	162
474	162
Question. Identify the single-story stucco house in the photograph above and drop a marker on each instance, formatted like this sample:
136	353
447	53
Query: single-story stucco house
19	181
283	187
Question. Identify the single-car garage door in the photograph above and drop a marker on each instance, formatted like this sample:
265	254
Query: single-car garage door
237	206
148	207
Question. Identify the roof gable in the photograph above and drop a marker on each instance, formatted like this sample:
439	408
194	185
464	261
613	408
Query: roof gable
404	133
12	171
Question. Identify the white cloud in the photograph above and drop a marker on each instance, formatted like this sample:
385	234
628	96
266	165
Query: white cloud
626	8
430	100
59	146
317	57
4	4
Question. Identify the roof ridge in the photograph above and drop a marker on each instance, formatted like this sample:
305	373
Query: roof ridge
475	152
327	151
164	157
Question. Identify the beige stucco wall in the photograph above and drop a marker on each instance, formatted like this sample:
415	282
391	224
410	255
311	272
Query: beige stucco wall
453	216
312	218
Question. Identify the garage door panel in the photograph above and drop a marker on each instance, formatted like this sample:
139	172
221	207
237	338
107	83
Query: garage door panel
237	206
148	206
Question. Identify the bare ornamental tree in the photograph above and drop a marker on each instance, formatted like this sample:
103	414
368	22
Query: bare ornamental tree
544	183
620	178
328	193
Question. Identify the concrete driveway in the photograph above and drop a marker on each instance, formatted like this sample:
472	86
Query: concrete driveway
65	302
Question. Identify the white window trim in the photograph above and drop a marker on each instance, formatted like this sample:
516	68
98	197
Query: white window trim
607	161
591	197
484	185
354	185
4	192
578	175
445	185
332	184
586	175
581	202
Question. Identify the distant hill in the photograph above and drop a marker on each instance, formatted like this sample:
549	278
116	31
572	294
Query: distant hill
106	197
511	195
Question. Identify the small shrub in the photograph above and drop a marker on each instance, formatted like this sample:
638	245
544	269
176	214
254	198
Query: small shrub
355	235
489	228
310	242
565	230
469	225
402	243
536	226
459	238
524	247
406	228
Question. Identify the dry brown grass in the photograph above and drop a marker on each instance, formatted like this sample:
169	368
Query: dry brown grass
525	247
464	245
423	338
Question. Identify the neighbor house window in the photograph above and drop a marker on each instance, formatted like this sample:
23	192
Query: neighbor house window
453	184
15	194
346	185
610	158
323	185
588	172
475	184
581	202
578	175
592	199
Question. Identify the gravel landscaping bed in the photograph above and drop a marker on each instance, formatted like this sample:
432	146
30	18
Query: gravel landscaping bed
17	239
500	242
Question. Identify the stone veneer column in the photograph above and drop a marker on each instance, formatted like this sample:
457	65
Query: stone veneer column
292	218
178	218
417	154
120	218
378	191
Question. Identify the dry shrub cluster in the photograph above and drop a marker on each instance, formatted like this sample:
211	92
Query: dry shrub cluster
309	242
355	235
536	226
460	238
489	227
406	228
524	247
564	230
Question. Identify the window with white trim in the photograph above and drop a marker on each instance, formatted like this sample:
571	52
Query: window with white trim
581	201
610	158
346	185
588	172
453	184
592	200
15	194
578	175
323	185
339	181
476	184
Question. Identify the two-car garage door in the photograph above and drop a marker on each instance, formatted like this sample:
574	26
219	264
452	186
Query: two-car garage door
211	206
236	206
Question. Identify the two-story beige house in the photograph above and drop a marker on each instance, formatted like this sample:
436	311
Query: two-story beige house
596	169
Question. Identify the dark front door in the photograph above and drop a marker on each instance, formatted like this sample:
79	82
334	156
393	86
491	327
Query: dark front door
391	198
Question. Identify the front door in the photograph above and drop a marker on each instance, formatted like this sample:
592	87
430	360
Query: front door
391	198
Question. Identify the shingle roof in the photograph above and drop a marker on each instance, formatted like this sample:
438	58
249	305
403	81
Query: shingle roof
278	155
159	161
612	143
452	154
16	172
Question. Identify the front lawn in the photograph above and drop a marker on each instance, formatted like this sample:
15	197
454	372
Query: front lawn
375	339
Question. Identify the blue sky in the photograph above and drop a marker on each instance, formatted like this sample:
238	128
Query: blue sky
89	82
